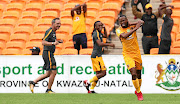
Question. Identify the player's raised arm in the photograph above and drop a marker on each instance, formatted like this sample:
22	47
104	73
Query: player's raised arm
84	8
76	8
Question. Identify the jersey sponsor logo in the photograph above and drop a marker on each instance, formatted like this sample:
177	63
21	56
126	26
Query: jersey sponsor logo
168	78
77	19
118	31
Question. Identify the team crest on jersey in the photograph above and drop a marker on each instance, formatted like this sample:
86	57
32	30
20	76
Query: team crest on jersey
118	31
128	30
168	78
152	16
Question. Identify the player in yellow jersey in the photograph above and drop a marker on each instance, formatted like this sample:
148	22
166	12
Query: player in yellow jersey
79	26
131	53
96	56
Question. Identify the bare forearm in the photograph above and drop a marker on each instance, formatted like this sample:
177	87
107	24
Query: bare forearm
46	43
125	35
105	33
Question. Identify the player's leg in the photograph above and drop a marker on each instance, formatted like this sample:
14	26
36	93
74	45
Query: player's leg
83	40
41	77
76	42
52	74
100	69
138	71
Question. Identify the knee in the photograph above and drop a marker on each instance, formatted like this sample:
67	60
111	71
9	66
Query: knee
133	73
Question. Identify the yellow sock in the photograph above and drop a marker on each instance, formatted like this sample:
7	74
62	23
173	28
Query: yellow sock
93	84
94	79
136	85
140	81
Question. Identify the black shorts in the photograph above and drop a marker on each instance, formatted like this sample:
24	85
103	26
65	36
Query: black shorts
49	61
80	39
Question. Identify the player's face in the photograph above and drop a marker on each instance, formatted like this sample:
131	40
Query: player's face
168	11
123	21
149	11
57	24
99	26
78	11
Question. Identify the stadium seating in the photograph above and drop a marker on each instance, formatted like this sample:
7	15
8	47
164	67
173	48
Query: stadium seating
154	51
85	51
68	52
25	21
49	14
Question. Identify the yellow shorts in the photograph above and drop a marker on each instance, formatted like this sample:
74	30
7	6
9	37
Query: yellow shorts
98	64
133	63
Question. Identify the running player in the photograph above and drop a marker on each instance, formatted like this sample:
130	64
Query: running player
131	53
96	56
49	41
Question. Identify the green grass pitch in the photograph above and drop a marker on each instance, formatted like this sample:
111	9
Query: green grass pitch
88	99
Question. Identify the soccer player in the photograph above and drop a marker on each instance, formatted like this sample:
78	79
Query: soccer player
96	56
49	41
131	53
79	26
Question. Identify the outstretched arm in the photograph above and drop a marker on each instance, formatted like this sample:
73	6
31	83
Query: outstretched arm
84	8
134	10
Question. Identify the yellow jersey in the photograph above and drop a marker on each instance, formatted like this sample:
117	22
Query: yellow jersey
79	23
130	44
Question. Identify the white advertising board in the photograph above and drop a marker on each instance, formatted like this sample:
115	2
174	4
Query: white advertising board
16	71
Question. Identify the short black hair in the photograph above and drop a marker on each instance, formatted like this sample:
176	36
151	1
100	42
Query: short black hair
53	21
95	26
122	16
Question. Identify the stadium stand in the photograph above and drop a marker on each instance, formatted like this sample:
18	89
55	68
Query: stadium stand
24	22
175	37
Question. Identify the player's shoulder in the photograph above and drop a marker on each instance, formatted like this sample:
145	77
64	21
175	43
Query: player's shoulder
48	31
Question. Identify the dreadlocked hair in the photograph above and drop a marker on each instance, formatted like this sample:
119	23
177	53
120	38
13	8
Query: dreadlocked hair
95	26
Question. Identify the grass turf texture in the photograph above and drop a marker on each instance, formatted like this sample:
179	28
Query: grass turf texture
88	99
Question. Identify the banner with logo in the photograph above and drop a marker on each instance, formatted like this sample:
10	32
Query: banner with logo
160	74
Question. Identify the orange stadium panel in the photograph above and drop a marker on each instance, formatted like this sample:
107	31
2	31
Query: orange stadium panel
69	52
4	2
11	15
107	14
93	7
178	37
59	46
90	44
26	52
30	45
76	1
111	7
119	2
176	13
30	15
58	1
62	37
66	14
20	1
36	37
39	1
53	7
26	22
69	6
6	30
14	7
23	30
89	37
86	51
64	30
91	14
68	45
4	38
175	51
176	44
2	46
19	37
66	22
154	51
40	29
176	21
11	52
15	44
57	51
174	29
38	7
8	22
173	37
100	2
49	14
44	22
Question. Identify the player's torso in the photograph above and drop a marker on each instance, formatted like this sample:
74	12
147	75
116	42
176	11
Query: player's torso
79	25
97	50
130	44
52	38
